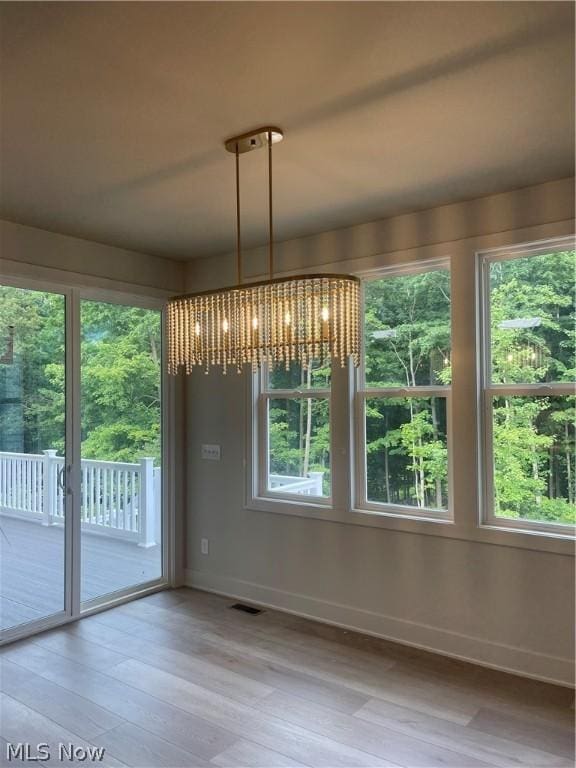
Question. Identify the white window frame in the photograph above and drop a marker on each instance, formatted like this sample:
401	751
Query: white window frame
259	495
362	504
487	391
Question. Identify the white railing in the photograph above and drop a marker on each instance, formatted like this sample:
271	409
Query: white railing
305	486
117	499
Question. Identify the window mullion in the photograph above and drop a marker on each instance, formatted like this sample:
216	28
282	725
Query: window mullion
406	391
530	390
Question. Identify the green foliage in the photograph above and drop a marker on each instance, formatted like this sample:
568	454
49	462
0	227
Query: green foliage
407	451
414	312
407	328
120	384
299	438
407	333
299	429
534	437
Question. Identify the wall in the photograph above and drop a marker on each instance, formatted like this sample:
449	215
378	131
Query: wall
35	250
495	602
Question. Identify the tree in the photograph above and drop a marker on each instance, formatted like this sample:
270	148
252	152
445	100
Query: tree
120	377
407	332
532	340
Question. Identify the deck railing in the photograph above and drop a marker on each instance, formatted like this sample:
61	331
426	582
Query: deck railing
117	499
305	486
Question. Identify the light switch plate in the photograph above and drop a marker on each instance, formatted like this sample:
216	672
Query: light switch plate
211	452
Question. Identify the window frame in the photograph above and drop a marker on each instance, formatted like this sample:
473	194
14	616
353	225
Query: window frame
362	393
263	393
487	391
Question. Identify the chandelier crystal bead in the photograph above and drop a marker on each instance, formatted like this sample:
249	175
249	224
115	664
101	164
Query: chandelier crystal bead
302	319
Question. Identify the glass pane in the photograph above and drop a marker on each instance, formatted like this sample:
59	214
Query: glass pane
317	376
534	458
299	446
407	452
407	330
532	310
32	450
121	447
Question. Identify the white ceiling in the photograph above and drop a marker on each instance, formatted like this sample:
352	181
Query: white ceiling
114	114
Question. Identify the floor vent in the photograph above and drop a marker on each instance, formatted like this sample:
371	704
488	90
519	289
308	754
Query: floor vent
246	608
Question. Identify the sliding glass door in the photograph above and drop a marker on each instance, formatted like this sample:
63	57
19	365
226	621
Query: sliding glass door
34	503
121	478
81	403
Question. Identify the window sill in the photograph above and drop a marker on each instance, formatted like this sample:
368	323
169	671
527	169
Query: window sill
400	512
507	526
316	510
427	526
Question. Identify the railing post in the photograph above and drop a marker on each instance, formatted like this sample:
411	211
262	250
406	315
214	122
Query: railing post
49	487
158	503
317	487
146	504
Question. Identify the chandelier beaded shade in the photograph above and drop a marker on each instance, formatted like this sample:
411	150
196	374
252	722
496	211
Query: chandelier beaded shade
277	321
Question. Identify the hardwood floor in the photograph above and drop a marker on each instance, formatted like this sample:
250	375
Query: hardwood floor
179	679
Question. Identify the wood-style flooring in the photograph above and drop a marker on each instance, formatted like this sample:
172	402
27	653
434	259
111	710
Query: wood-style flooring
181	679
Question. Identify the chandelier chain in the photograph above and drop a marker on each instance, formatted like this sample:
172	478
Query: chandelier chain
238	234
270	214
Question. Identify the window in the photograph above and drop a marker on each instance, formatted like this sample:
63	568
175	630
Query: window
528	395
403	400
295	448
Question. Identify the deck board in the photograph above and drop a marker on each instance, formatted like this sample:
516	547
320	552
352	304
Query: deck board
32	568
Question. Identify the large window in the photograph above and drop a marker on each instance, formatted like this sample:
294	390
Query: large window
528	394
403	400
295	433
394	444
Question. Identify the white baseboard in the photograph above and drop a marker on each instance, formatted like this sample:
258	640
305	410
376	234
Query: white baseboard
506	658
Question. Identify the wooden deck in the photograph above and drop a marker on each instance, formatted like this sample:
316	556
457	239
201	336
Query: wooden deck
32	568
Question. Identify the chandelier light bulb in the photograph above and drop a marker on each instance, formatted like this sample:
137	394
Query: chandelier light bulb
225	325
255	323
197	329
325	314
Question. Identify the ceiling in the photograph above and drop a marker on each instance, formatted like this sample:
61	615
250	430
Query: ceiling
114	114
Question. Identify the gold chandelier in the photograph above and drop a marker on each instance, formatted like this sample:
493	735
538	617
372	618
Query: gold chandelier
275	321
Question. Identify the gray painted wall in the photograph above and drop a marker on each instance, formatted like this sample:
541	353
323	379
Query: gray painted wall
105	265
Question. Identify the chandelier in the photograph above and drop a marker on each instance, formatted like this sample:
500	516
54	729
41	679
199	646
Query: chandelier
276	321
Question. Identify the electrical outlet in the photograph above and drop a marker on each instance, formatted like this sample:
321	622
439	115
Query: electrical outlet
204	546
210	452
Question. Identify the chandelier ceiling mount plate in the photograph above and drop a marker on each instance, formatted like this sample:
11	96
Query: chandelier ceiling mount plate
255	139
